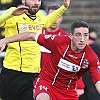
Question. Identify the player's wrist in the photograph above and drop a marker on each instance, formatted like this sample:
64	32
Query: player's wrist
63	7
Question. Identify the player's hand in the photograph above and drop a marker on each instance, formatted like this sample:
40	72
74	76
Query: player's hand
20	10
66	3
2	45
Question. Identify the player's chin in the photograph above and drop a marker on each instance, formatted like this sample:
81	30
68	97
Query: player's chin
81	47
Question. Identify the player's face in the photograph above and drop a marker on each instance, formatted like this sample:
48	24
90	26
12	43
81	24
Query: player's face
79	39
57	23
33	5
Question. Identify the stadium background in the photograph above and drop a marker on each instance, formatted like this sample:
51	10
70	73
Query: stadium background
87	10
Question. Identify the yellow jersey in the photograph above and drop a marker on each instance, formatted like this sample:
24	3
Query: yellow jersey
25	55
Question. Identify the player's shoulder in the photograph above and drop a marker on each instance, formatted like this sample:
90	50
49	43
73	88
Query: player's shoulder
63	32
89	51
11	8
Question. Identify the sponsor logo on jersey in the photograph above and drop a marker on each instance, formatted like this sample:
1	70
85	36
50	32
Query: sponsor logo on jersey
85	64
73	56
75	68
25	27
47	36
98	63
66	65
39	20
99	69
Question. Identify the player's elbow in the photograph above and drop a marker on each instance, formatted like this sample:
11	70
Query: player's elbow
97	85
80	92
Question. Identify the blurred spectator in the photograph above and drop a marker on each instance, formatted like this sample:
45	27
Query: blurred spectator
43	8
5	4
90	92
92	41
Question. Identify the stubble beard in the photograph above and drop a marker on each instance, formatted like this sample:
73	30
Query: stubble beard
76	49
30	11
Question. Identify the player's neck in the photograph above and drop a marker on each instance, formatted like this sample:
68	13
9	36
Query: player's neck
52	30
30	14
75	49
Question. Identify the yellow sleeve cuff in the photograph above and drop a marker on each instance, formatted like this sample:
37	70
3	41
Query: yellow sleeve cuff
51	18
63	7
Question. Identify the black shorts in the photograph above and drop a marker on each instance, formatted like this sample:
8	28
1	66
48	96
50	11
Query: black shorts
16	85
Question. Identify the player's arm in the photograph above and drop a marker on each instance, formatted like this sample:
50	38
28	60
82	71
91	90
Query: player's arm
80	92
18	37
12	12
97	85
51	18
95	71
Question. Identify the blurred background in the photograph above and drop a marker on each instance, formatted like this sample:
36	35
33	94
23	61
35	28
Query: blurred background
87	10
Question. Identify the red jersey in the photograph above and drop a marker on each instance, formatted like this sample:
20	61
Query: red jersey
80	84
65	67
46	54
59	31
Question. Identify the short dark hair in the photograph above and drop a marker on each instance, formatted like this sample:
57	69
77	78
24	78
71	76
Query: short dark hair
78	24
53	6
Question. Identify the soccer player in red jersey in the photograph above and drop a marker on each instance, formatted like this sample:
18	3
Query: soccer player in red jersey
54	29
71	58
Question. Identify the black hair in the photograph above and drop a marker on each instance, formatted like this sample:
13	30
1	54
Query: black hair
77	24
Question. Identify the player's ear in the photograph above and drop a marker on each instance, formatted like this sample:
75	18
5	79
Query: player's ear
23	2
70	35
61	19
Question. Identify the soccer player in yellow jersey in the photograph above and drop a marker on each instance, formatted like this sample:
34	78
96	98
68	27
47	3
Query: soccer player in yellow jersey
22	59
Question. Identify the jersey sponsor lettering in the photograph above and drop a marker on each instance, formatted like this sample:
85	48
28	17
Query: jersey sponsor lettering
66	65
26	27
73	56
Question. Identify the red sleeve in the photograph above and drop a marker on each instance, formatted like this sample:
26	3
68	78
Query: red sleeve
50	41
94	67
